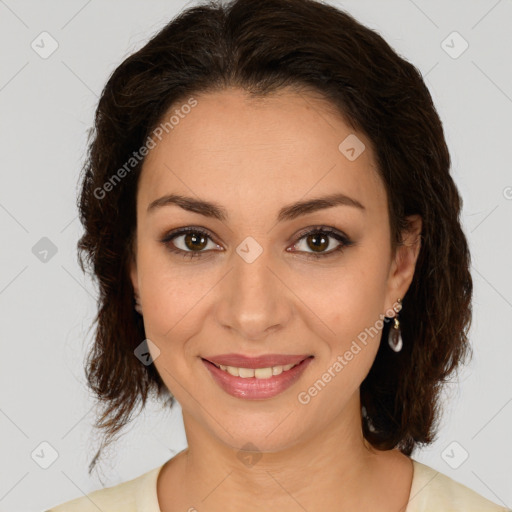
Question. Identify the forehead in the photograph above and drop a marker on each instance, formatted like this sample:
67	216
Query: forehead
283	145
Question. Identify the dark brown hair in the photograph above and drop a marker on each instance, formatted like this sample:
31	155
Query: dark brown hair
263	46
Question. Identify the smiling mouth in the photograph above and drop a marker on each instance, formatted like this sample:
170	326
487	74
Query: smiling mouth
256	373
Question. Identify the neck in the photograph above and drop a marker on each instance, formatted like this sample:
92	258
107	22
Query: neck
335	469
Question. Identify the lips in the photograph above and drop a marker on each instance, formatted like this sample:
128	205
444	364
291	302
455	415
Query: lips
263	361
253	388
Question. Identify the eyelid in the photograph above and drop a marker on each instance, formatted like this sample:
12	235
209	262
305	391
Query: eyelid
318	228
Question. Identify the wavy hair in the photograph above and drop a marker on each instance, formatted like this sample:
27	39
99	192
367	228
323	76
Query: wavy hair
262	46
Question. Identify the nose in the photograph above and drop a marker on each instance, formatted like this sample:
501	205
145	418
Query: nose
253	302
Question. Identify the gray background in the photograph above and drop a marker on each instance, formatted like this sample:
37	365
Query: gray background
47	306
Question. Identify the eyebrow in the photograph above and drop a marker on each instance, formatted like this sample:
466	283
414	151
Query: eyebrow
289	212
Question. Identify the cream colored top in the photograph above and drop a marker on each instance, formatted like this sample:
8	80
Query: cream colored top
431	491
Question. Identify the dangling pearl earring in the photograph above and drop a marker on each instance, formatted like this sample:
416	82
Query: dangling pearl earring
395	335
371	428
137	306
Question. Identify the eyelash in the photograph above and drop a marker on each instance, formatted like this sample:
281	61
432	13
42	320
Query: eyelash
330	232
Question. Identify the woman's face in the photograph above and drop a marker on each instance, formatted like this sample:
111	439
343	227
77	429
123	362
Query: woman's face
267	267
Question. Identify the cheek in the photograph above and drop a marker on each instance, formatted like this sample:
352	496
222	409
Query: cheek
349	302
356	309
170	291
172	314
348	298
351	308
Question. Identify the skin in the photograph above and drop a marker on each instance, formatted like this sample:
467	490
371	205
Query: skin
252	158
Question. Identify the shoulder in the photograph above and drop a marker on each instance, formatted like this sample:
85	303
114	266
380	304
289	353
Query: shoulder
130	496
432	490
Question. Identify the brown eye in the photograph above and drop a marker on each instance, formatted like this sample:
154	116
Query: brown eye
190	242
321	242
195	241
318	242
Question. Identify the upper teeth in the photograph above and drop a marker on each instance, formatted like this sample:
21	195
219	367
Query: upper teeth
258	373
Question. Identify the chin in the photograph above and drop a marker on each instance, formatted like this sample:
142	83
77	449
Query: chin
267	435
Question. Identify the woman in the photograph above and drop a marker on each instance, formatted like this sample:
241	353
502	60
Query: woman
269	212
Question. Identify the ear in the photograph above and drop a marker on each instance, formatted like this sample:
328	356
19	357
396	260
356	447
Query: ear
403	266
133	267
